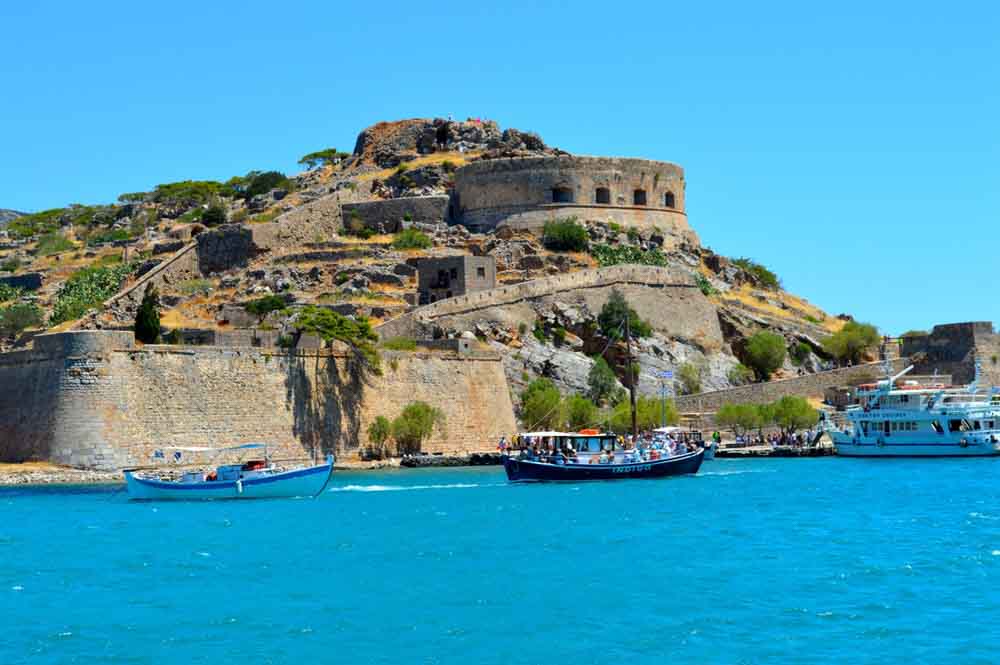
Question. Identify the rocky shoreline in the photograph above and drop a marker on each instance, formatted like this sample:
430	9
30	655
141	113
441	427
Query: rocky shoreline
33	474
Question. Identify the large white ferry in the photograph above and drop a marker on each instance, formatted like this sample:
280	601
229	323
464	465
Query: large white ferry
907	419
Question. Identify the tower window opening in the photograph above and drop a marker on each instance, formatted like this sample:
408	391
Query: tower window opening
669	201
639	197
562	195
603	195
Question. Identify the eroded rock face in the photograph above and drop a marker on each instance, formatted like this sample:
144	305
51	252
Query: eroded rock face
388	144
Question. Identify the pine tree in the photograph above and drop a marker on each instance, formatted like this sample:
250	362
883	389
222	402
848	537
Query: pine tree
147	319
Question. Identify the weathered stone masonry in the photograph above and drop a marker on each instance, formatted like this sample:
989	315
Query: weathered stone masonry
92	399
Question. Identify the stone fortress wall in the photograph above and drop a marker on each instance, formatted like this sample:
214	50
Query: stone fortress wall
668	299
525	192
954	348
93	399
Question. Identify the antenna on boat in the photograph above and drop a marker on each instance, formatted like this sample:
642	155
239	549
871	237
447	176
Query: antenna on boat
631	374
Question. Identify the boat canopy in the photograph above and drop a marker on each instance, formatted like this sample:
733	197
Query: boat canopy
668	430
537	434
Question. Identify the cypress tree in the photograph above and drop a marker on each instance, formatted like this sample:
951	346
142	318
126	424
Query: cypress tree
147	319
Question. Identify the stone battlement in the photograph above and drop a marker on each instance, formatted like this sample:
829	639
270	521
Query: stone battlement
94	399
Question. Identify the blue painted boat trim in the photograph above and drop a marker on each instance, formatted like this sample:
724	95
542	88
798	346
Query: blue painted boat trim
227	484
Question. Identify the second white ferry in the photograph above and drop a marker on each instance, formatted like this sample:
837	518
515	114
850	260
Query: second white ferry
907	419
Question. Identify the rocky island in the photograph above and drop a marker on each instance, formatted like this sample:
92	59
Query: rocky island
448	264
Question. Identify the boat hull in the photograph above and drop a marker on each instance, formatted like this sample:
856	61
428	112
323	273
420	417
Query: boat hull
850	447
300	482
525	471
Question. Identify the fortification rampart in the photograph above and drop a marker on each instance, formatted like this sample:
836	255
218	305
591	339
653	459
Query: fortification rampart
388	215
93	399
526	192
669	300
811	385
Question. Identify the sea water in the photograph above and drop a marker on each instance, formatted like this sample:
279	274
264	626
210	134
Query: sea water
751	561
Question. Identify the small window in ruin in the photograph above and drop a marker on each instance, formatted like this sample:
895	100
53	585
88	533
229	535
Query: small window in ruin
562	195
669	201
603	195
454	273
481	273
639	197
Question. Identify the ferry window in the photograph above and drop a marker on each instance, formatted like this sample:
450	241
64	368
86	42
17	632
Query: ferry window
894	427
954	425
937	427
905	398
976	424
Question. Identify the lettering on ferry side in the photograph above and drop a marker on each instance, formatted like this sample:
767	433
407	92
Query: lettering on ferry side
633	468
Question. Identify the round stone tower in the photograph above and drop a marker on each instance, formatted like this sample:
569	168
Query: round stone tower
525	192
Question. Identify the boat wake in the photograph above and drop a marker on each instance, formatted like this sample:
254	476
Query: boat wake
407	488
734	473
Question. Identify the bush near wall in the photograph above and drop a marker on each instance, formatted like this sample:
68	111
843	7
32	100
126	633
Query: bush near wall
565	235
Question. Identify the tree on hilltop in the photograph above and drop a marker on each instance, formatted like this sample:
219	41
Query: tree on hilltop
328	157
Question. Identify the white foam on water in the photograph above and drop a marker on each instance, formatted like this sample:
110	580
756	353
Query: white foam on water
994	553
734	473
17	587
984	516
407	488
205	554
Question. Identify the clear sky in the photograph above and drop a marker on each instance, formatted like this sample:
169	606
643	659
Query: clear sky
853	147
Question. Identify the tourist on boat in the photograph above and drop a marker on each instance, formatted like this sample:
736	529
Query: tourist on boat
502	445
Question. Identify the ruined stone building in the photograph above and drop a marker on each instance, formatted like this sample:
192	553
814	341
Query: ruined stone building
449	276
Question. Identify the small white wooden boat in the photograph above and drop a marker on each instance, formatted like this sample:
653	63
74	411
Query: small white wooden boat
255	479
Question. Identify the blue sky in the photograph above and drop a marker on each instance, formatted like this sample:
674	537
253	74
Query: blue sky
852	148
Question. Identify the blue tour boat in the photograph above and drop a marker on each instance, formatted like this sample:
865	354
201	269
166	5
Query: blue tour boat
255	479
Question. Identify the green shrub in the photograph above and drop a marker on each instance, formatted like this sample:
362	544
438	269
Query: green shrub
214	216
601	381
559	335
331	326
378	435
411	239
800	353
565	235
633	234
765	352
612	255
580	413
615	227
793	413
263	306
740	375
9	293
286	341
765	277
147	319
53	243
415	425
189	193
341	278
356	227
648	414
612	318
689	375
400	344
191	216
539	331
812	319
852	342
88	288
740	418
914	333
110	235
18	317
705	286
264	182
541	405
11	264
198	286
522	328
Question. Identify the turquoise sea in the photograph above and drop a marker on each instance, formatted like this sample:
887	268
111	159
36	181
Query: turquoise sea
752	561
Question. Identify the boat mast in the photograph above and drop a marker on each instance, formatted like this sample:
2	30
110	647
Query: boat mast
631	374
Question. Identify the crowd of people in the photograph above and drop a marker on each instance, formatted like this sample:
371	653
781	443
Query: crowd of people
647	447
778	440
